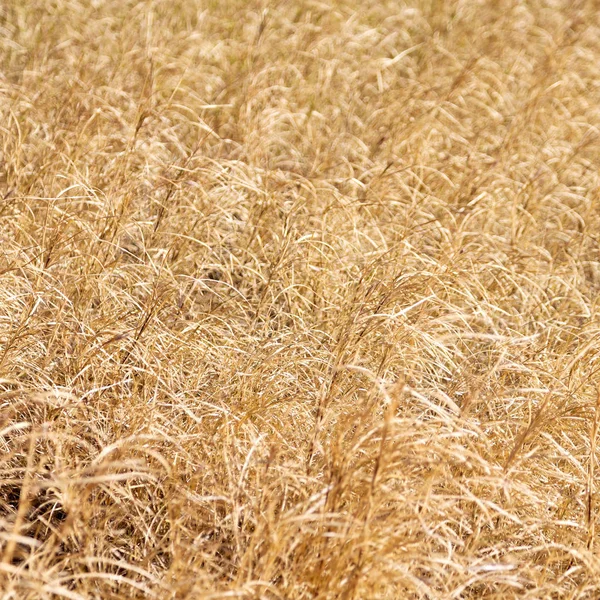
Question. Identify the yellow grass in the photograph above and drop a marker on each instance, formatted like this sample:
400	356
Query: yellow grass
299	299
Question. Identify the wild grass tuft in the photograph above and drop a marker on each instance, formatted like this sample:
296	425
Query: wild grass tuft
299	300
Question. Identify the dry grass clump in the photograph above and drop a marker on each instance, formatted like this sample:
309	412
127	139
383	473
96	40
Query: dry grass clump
299	300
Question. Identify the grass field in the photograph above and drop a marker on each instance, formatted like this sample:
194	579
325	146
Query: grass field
299	299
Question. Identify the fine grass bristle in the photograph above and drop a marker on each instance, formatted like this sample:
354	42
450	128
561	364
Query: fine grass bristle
299	300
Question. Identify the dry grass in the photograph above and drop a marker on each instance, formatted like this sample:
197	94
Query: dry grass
299	299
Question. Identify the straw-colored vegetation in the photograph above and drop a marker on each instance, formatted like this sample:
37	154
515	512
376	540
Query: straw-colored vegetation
299	299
